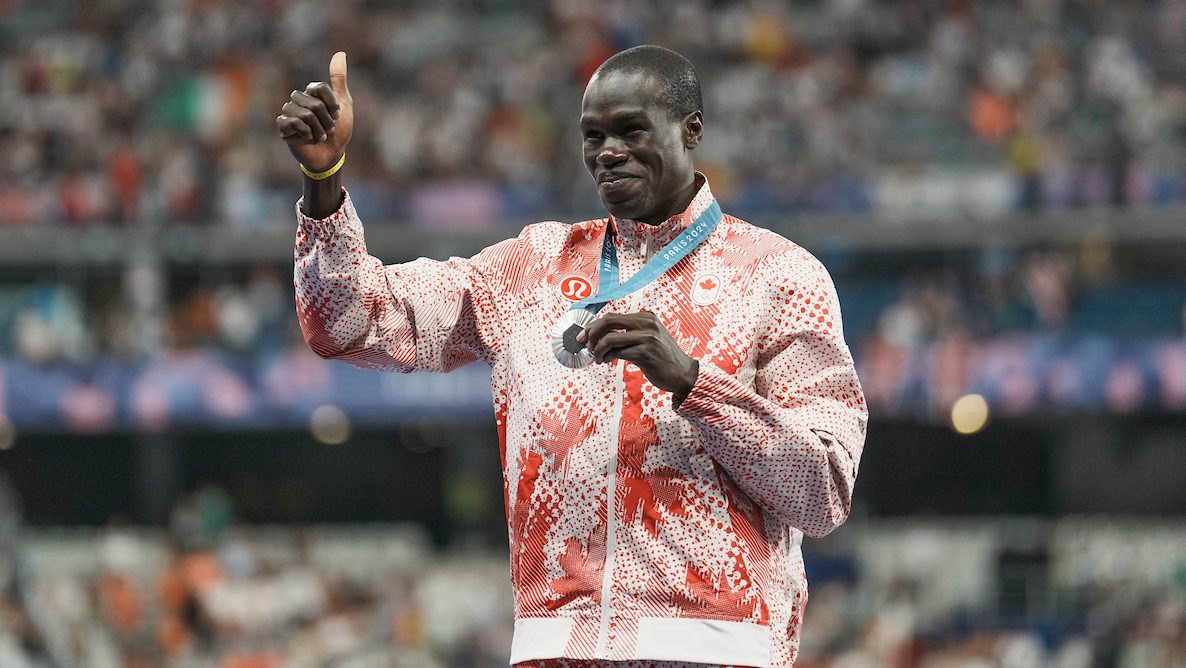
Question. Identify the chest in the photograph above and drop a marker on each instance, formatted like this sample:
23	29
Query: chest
707	304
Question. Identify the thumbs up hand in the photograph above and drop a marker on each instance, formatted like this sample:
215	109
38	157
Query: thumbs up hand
317	122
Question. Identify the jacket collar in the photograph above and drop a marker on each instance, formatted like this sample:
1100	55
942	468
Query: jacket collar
637	237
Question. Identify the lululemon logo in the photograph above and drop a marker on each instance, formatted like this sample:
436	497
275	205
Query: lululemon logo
705	289
576	288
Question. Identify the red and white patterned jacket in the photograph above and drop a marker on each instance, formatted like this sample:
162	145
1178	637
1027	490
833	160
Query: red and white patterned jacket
637	530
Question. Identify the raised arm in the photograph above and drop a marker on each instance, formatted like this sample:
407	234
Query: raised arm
422	315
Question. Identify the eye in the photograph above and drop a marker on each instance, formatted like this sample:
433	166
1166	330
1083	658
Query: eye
634	130
592	136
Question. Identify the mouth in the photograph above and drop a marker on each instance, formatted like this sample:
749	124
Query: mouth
616	186
613	178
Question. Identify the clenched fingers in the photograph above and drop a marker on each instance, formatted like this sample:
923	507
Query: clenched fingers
618	321
315	123
323	92
627	345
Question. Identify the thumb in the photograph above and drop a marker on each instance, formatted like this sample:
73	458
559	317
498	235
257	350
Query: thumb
337	75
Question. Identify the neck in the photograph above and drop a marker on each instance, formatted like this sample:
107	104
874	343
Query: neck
681	203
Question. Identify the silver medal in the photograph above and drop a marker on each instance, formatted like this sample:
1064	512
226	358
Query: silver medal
570	352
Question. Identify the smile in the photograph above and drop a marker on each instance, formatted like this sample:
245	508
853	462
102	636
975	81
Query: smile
617	188
614	186
612	178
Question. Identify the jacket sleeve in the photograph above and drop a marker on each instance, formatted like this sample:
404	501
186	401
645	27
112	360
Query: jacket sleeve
423	315
793	440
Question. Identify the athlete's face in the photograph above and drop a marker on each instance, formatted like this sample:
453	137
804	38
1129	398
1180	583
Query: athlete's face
640	157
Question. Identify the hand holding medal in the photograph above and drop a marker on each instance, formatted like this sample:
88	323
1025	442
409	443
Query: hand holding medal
642	339
578	339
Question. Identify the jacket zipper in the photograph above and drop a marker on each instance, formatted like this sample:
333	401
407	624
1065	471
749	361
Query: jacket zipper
611	524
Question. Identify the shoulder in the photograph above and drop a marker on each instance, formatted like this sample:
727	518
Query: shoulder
796	286
770	255
556	234
553	237
543	241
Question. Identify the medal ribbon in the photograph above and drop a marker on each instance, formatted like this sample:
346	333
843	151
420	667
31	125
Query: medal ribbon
672	253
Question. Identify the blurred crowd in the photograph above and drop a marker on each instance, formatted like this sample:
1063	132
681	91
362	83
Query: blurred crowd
214	593
211	593
1029	330
162	111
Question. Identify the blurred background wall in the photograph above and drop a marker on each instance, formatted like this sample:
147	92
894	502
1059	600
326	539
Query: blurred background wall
998	189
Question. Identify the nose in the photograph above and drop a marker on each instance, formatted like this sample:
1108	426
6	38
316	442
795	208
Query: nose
610	155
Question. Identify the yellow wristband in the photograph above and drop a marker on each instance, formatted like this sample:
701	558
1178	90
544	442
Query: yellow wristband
321	176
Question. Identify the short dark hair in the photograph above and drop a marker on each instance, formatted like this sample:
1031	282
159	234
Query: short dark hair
681	85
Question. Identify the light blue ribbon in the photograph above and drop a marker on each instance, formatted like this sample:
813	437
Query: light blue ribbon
672	253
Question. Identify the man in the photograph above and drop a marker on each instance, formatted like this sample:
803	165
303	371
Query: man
655	500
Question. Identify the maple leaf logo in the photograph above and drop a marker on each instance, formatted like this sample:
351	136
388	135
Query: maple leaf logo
704	289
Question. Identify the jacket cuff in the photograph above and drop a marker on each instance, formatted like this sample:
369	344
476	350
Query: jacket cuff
322	227
712	388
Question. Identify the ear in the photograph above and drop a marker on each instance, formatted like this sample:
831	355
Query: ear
693	127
